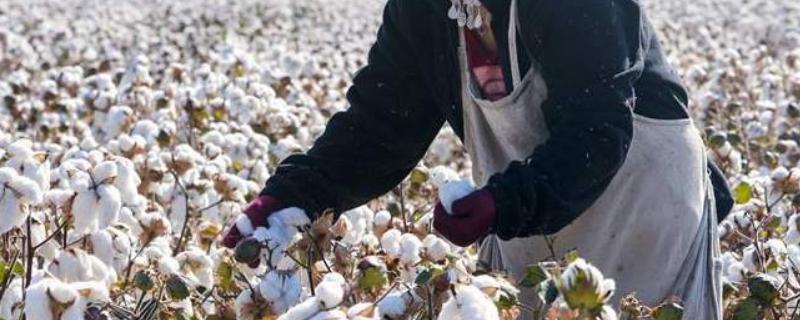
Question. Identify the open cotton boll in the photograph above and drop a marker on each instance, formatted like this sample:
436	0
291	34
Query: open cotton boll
330	291
109	205
440	175
293	216
469	303
452	191
85	211
410	247
168	265
436	248
12	216
10	305
394	304
47	250
41	295
303	311
281	289
390	241
127	180
382	218
37	171
29	190
58	197
104	171
102	246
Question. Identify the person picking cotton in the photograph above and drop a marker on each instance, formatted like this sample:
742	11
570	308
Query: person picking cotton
575	124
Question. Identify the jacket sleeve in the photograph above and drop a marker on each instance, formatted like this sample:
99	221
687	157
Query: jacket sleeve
369	148
590	55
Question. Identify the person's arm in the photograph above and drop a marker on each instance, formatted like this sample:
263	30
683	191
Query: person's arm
590	55
369	148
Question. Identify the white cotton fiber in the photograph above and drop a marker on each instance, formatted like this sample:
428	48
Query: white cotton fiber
302	311
382	218
108	204
58	197
436	248
390	241
293	216
440	175
330	291
469	303
452	191
85	212
29	190
394	304
11	214
9	308
410	247
103	171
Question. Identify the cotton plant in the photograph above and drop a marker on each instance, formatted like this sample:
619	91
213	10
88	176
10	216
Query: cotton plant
97	201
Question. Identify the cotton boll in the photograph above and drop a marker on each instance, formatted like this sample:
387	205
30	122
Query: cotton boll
294	217
168	265
452	191
330	291
394	304
102	246
38	172
469	303
282	289
441	175
244	305
104	171
302	311
127	180
47	250
28	189
436	248
10	305
109	205
42	294
9	207
390	241
85	211
58	197
178	211
410	248
382	218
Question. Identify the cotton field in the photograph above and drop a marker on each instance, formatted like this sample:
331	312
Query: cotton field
134	132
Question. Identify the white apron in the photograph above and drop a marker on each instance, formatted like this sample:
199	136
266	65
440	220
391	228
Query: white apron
654	228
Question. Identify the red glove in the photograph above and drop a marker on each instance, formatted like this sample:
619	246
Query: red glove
471	219
257	212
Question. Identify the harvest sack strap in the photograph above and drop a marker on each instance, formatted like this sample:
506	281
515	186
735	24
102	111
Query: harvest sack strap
652	230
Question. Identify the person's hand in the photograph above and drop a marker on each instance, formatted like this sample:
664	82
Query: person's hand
471	219
253	217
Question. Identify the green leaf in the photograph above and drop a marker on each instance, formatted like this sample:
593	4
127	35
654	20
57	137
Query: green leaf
747	309
18	269
534	275
669	311
143	281
427	275
743	193
3	272
763	288
225	276
372	278
177	288
571	256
